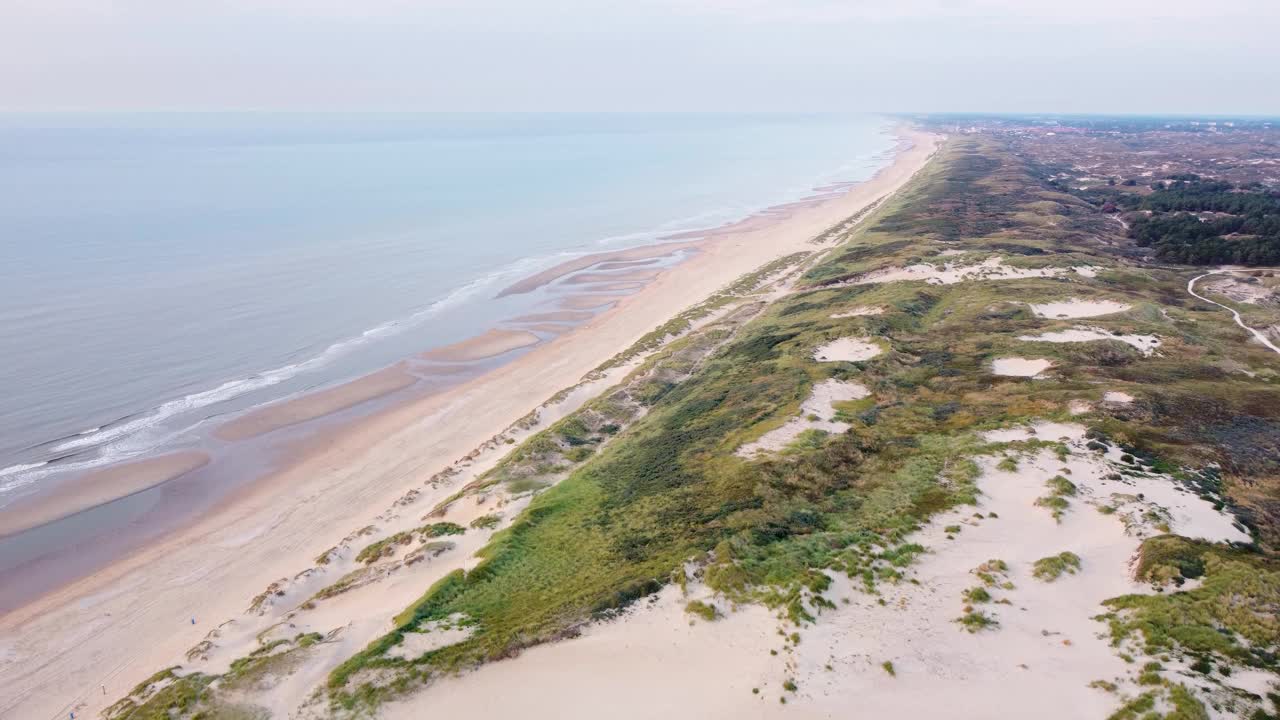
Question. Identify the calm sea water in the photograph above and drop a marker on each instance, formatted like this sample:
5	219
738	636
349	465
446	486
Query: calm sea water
162	270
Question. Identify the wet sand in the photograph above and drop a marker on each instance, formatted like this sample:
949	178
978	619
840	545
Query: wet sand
645	252
582	302
549	328
95	488
556	316
490	343
604	277
316	404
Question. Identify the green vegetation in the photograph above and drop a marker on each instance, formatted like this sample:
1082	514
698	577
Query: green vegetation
888	667
387	546
994	573
1209	222
703	610
1230	616
976	621
167	695
1051	568
1056	501
486	522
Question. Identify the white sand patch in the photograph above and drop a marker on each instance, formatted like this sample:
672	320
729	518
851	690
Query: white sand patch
1042	430
820	406
1079	407
435	635
1141	497
993	268
1020	367
861	311
656	661
1145	344
952	252
847	349
1038	662
1115	396
1076	308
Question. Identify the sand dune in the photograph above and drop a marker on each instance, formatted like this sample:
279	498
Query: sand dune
1039	660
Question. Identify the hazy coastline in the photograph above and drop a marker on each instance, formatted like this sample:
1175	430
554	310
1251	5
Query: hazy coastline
273	438
337	475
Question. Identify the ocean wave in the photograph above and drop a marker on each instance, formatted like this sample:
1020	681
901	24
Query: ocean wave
130	427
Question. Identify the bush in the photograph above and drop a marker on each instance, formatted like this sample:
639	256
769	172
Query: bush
1051	568
703	610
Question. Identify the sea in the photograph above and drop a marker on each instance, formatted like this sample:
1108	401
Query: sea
160	272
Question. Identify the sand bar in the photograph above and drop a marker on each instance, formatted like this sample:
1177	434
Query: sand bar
95	488
488	344
316	404
582	302
625	264
645	252
568	316
604	277
116	627
551	328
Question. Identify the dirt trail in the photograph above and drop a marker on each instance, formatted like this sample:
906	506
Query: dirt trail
1262	338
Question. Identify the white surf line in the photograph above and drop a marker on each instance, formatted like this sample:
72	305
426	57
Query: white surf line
1256	333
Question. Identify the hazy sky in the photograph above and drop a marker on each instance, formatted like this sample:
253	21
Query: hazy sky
1188	56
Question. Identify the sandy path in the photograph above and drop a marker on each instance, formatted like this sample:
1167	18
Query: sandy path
1261	337
120	625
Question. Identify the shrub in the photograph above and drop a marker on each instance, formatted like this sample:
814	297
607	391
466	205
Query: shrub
703	610
486	522
977	620
1051	568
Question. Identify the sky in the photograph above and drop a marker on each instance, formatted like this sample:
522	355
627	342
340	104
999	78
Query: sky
1103	56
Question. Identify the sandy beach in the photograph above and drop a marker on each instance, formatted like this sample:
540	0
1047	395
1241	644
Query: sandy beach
317	404
88	643
486	345
94	488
